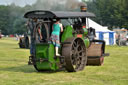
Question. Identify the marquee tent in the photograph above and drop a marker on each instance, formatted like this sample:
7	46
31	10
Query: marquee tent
102	32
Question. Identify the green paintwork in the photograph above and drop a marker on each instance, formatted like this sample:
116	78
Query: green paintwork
85	39
46	51
87	42
67	33
85	31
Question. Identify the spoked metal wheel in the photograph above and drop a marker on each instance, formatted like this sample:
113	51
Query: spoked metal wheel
75	54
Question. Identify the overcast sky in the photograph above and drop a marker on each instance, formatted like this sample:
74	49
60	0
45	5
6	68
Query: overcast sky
17	2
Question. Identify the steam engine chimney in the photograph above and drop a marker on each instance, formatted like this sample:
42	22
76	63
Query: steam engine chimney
83	7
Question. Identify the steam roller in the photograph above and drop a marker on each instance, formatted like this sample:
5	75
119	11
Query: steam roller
78	46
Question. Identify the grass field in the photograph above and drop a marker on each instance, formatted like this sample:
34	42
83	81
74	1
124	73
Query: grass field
15	71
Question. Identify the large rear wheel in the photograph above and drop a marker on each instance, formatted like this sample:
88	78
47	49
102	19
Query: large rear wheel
75	54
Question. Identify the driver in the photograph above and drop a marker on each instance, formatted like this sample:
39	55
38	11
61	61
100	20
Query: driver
39	31
32	25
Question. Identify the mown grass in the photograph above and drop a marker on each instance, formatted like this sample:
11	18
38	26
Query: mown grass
15	71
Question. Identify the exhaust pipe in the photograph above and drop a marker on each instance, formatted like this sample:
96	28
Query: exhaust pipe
83	8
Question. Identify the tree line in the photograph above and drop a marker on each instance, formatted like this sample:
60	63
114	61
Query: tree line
11	16
111	13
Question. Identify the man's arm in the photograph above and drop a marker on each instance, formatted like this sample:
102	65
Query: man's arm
40	33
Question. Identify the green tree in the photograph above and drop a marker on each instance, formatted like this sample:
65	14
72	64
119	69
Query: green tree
110	12
4	19
19	26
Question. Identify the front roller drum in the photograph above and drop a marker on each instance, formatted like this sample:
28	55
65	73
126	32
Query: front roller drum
95	55
75	54
95	61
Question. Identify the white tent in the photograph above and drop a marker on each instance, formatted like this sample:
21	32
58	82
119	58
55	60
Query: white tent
96	26
102	32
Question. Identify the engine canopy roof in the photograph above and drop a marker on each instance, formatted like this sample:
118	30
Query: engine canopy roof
41	14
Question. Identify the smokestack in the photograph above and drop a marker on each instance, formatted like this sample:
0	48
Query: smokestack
83	7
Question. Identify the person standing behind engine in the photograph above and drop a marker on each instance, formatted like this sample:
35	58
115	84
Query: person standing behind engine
34	26
57	27
91	33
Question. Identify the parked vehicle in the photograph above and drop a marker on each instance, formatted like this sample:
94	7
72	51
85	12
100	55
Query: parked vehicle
122	37
24	41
